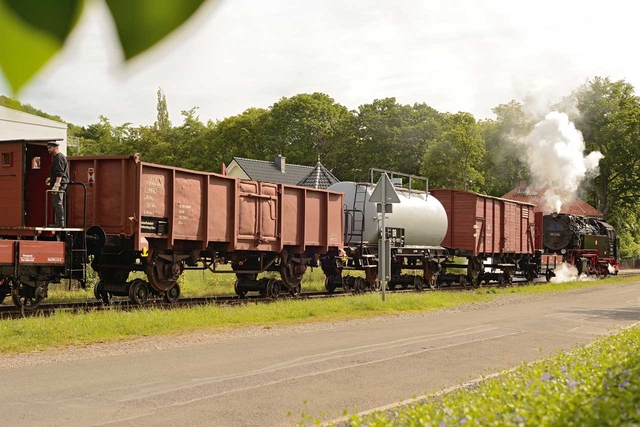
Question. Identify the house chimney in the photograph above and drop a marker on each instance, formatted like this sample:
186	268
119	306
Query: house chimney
281	163
523	185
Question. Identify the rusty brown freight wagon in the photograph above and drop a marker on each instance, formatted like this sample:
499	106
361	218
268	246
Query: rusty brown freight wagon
485	228
161	220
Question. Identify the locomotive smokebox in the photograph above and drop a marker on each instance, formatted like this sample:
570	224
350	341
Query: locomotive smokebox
557	231
422	216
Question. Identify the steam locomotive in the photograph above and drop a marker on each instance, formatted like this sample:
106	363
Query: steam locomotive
590	244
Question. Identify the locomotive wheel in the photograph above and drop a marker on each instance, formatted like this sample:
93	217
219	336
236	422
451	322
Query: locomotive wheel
100	294
172	295
241	291
330	287
377	286
295	292
163	275
418	283
26	297
547	275
139	292
273	288
359	285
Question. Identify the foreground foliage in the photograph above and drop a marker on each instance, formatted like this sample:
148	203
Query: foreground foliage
593	386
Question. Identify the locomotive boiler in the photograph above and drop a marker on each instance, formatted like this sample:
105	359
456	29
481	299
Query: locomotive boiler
588	243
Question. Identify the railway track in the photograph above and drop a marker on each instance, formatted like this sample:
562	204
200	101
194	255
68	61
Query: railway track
11	312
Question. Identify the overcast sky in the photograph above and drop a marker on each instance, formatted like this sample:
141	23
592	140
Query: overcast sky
235	54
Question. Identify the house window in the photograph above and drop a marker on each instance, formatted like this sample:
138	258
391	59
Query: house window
6	159
35	163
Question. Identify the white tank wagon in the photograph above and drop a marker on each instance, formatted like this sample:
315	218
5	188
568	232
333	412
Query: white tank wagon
421	216
415	228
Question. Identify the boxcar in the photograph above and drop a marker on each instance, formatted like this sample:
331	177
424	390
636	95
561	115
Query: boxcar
492	233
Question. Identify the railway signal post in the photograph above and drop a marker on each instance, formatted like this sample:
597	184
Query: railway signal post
384	195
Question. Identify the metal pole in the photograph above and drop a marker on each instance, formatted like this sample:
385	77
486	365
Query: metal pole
383	247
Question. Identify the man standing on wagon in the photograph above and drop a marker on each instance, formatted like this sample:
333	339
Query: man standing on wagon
60	178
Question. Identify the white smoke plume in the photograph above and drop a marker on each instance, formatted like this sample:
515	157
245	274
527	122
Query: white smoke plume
568	273
555	153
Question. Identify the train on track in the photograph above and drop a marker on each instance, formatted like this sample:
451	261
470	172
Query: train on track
590	244
124	215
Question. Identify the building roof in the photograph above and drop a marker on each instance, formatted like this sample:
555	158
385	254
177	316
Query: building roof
261	170
319	177
524	193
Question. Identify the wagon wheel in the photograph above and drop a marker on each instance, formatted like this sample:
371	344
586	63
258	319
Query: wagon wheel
463	280
273	288
377	286
418	283
163	275
359	285
500	279
346	288
4	292
295	292
101	295
241	291
26	297
172	295
530	275
330	287
139	292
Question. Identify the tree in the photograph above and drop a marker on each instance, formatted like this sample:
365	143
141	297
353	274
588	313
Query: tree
302	127
393	136
609	120
503	162
163	124
454	160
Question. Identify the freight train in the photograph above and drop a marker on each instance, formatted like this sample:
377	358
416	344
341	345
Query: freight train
125	215
590	244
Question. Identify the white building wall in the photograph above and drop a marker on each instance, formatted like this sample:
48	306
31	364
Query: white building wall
16	124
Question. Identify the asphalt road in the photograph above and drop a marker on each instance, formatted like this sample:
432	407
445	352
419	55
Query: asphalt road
243	382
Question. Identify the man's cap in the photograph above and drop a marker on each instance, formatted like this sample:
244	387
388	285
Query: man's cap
53	144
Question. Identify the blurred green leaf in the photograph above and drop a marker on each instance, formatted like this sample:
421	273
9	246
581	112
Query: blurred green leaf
31	33
142	23
56	18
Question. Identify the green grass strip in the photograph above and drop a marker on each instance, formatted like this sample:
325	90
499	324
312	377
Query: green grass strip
596	385
64	329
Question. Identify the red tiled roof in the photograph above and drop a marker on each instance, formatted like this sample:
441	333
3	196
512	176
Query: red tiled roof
535	195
